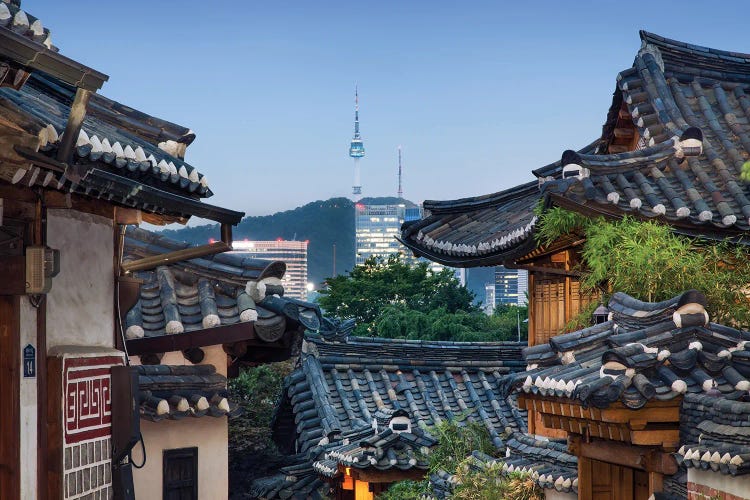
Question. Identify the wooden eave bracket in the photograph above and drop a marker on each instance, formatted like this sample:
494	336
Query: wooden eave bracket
218	335
168	258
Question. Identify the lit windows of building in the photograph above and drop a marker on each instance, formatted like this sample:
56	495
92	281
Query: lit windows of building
376	226
292	253
510	286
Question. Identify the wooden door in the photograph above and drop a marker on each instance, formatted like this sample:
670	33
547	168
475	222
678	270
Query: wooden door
181	474
604	481
362	490
10	423
549	308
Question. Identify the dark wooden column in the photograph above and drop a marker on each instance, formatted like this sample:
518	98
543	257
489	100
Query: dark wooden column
10	421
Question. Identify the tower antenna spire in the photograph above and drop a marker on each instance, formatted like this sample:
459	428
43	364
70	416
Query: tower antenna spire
400	191
356	148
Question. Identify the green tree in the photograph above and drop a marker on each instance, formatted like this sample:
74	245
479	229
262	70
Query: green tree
366	292
457	439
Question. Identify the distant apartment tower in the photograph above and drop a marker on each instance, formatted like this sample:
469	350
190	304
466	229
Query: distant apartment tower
292	253
376	228
510	286
489	298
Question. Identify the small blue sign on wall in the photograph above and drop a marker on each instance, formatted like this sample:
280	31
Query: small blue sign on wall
29	361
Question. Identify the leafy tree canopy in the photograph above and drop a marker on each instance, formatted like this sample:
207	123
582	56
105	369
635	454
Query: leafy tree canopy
367	289
391	298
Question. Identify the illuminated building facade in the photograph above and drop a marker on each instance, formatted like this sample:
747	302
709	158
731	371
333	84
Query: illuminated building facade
376	228
510	286
292	253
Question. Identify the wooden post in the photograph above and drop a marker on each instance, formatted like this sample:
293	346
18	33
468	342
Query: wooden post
567	290
72	129
10	363
584	478
655	482
532	310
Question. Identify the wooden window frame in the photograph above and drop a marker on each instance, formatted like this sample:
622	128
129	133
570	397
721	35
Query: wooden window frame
191	452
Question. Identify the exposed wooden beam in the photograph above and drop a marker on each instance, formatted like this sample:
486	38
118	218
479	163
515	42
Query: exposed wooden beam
174	257
227	334
387	476
618	148
624	132
649	459
550	270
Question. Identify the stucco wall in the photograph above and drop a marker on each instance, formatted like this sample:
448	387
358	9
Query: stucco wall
209	434
28	406
720	486
80	306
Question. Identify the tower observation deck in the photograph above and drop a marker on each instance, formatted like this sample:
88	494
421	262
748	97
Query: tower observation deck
356	149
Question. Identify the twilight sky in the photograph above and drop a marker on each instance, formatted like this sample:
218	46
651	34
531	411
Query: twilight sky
477	93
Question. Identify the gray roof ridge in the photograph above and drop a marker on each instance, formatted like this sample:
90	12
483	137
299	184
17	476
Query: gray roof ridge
664	42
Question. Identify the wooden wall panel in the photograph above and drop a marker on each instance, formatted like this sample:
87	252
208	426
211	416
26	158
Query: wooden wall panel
549	307
10	421
604	481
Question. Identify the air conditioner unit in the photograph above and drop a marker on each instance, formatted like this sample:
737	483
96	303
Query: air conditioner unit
42	264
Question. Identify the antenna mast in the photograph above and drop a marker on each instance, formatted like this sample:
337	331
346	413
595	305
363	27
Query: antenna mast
400	191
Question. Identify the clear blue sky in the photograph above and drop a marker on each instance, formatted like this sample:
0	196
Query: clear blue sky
477	93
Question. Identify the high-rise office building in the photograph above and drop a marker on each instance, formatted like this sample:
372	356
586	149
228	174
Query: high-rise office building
510	286
376	228
292	253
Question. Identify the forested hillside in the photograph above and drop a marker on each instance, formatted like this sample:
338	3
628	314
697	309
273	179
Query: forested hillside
323	223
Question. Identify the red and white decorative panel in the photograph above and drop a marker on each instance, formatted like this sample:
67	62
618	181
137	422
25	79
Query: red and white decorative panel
87	422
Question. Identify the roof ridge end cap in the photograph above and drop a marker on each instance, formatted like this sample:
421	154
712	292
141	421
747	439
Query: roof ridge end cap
648	48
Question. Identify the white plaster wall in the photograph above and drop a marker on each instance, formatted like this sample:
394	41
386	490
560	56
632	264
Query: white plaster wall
550	494
738	485
80	306
209	434
28	406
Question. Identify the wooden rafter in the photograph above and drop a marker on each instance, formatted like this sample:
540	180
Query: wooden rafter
657	424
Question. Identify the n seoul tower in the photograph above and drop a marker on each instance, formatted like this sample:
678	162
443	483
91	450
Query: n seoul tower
356	150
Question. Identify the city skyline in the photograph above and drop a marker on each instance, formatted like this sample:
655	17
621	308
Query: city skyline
470	103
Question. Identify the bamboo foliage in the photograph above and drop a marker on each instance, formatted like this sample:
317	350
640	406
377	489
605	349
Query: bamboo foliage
650	262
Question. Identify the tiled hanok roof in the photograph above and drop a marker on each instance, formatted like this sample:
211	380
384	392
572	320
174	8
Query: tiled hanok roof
646	352
114	137
176	392
480	231
382	450
207	292
342	387
474	229
298	481
121	147
716	433
671	87
14	18
121	155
